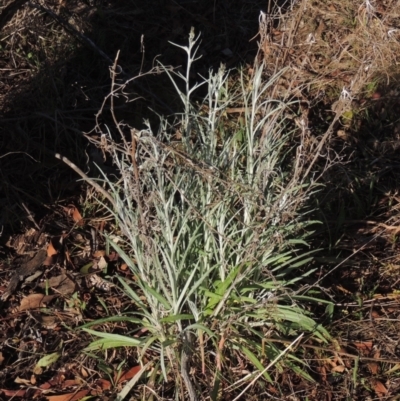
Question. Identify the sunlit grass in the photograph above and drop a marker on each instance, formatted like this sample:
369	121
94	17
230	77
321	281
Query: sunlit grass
215	234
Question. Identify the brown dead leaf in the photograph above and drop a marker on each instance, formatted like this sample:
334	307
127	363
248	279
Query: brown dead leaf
51	251
338	369
365	347
62	284
45	386
48	322
373	367
99	253
379	388
77	217
56	244
129	374
13	393
55	381
74	213
101	385
75	396
34	301
71	383
1	358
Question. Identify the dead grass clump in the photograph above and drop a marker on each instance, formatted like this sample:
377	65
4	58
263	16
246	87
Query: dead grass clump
337	55
332	46
341	62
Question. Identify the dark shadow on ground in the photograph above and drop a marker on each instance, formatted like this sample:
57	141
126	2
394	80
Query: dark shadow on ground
56	74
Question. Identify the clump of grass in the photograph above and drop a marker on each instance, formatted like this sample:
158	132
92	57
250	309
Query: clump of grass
214	222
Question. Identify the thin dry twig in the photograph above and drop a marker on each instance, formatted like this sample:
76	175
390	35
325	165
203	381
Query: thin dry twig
89	180
133	144
333	351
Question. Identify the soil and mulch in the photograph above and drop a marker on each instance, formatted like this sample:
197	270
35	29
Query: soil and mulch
56	273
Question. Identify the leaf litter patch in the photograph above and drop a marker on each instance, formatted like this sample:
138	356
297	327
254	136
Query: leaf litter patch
57	277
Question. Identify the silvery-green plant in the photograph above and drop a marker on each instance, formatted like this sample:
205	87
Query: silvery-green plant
217	262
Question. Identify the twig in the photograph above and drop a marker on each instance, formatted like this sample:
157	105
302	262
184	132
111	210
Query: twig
272	363
133	144
342	353
30	216
89	180
8	12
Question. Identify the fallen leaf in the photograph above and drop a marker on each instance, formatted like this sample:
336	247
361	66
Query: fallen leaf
48	322
77	217
71	383
373	367
338	369
73	212
86	269
34	301
13	393
46	361
102	264
56	380
62	283
123	266
68	397
99	254
51	250
129	374
103	384
365	347
379	388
